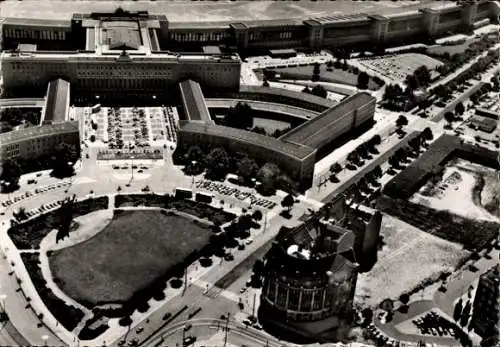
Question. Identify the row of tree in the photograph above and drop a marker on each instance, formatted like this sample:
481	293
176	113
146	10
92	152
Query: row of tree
217	163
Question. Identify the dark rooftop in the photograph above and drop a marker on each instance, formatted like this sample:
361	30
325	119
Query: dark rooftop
312	133
56	107
123	35
193	101
270	143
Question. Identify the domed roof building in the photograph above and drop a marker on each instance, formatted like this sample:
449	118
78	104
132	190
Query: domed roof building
310	276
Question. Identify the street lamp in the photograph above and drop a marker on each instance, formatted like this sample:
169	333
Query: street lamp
132	166
193	164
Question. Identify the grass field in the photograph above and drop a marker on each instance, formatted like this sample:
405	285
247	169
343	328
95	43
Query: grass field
134	249
334	76
408	257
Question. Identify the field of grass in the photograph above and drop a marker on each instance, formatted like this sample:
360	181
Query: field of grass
451	49
334	76
134	249
408	256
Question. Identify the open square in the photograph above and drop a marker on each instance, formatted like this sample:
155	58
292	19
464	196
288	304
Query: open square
134	249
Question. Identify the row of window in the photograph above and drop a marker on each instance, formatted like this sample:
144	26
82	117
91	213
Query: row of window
34	34
198	37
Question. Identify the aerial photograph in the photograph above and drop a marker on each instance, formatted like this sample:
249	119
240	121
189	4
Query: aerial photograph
249	173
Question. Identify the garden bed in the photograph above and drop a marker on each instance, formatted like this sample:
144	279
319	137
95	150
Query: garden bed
68	316
194	208
29	234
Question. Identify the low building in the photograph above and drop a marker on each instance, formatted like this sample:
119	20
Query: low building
55	128
487	125
295	152
485	313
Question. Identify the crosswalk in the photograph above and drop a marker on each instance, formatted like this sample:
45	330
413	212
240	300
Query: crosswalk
214	291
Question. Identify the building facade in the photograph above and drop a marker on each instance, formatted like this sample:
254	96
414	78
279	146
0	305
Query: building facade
42	140
486	313
159	33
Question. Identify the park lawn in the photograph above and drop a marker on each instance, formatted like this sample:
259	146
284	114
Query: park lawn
408	256
134	249
334	76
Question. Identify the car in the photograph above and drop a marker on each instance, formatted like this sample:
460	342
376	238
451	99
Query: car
247	322
187	327
229	257
242	290
122	342
248	241
257	326
189	340
139	330
167	316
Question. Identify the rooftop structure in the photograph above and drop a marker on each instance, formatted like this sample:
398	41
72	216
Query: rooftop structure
56	102
264	142
317	132
193	102
32	133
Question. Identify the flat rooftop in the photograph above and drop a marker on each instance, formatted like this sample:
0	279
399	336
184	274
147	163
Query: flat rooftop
193	101
290	149
39	131
57	101
313	132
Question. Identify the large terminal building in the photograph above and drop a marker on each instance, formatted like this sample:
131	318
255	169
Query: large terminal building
89	49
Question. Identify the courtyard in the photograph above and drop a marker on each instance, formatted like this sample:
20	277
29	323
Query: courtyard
133	250
129	127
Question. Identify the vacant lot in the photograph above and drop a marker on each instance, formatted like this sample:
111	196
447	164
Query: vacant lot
464	190
128	254
408	256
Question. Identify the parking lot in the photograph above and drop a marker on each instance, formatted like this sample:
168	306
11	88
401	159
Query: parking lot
28	194
397	67
222	189
129	127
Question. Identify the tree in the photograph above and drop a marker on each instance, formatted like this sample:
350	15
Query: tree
362	150
377	172
11	173
394	161
375	140
449	117
259	130
65	213
320	91
427	134
404	298
457	312
267	175
363	80
63	160
316	71
422	75
401	121
257	215
459	108
217	163
265	83
335	168
240	116
247	169
353	157
288	202
194	153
